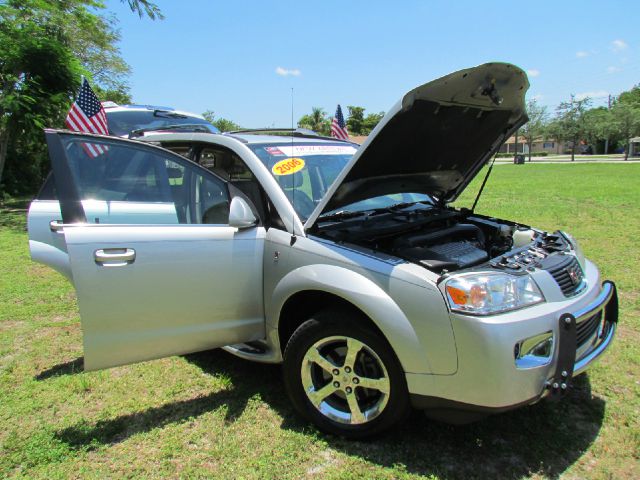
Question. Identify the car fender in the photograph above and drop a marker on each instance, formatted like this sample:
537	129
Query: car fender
364	294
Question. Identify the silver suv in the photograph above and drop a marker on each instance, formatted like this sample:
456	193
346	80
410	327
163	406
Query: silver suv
345	263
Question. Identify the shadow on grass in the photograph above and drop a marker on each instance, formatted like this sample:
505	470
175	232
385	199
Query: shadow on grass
13	214
248	379
541	439
67	368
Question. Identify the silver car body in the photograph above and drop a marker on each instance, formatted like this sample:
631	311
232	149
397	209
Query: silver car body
196	287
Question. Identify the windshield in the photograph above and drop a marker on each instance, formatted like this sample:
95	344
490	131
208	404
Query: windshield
305	171
384	201
121	123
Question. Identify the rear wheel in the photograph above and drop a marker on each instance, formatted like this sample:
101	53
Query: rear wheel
344	377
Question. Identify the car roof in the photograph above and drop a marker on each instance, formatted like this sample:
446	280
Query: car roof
258	138
147	108
245	138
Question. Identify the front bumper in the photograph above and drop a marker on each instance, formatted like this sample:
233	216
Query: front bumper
489	379
607	302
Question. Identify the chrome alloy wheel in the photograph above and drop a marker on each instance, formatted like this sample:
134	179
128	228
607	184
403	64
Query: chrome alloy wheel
345	380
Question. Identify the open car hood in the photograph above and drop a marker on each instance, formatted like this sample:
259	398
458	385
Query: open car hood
435	139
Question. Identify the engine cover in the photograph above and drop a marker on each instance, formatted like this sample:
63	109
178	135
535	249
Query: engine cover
459	254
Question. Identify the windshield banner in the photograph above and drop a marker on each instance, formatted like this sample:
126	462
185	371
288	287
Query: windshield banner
301	150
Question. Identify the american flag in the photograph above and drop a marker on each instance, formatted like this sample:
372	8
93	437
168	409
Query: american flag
87	115
338	127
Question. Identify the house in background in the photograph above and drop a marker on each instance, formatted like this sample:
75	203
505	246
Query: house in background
549	145
634	150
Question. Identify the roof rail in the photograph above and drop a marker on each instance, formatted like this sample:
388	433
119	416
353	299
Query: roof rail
294	132
183	127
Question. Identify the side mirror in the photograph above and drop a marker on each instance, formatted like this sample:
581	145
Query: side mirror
240	214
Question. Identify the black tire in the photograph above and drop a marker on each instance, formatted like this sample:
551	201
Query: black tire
325	330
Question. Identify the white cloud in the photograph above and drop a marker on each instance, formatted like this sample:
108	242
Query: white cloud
619	45
582	54
594	94
285	72
537	97
533	72
613	69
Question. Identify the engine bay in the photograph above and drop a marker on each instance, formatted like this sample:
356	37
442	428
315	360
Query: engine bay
443	239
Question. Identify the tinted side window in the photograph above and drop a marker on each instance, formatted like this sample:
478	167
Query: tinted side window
225	163
228	165
126	183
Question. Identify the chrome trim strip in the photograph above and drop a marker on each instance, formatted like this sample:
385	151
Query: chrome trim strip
598	304
582	364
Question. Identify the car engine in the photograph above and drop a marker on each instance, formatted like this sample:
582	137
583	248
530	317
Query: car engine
442	239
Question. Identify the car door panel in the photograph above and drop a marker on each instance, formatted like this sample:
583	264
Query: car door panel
157	282
141	310
46	242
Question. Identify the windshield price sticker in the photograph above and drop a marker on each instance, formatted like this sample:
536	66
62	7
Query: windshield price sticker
288	166
275	151
301	150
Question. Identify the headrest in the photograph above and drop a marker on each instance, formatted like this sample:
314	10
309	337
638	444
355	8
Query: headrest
290	181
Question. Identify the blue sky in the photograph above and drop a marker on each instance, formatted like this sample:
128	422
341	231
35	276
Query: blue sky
241	58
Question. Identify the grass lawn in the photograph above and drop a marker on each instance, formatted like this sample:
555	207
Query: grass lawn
213	415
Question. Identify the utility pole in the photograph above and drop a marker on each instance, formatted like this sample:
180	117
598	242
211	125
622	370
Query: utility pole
606	140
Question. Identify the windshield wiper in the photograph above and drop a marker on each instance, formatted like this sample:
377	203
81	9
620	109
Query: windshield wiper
399	206
198	127
168	114
428	202
340	215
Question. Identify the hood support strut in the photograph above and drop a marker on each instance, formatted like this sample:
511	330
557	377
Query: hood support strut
484	182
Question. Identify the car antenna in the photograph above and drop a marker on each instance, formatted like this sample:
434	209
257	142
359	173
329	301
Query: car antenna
293	193
484	182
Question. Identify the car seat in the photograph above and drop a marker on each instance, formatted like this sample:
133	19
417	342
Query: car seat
300	200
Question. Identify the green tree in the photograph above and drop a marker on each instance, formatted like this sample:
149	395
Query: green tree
355	122
119	95
598	125
370	122
316	121
45	47
626	122
630	97
535	127
144	7
222	124
94	41
568	124
38	74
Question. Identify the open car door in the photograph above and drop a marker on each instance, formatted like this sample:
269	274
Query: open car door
157	269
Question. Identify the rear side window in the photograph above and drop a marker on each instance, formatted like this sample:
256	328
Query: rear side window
122	123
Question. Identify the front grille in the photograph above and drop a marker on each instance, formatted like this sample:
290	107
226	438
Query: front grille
586	328
568	275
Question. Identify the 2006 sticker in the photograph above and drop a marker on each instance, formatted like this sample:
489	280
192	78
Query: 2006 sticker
288	166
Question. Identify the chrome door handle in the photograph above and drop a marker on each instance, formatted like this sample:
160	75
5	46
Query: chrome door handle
56	226
115	256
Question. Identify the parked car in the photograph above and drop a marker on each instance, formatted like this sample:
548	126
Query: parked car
346	264
136	120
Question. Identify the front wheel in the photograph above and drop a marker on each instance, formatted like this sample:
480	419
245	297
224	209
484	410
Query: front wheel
344	377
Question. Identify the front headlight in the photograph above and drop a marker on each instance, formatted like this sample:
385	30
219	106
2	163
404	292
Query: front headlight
488	293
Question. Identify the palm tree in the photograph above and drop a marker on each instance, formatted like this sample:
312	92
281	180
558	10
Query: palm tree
142	7
317	118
